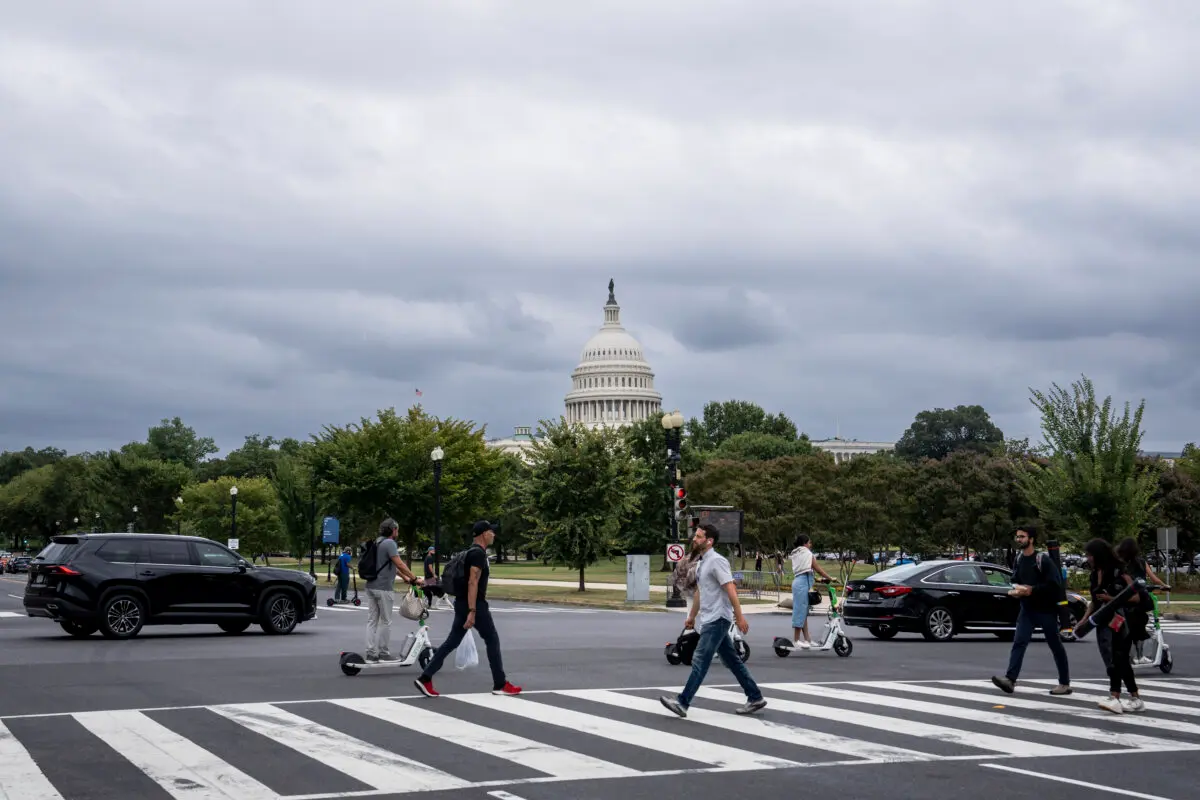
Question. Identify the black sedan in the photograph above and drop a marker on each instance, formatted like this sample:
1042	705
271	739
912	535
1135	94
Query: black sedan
939	599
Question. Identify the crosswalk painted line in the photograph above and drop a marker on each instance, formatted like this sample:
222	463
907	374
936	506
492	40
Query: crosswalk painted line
367	747
9	614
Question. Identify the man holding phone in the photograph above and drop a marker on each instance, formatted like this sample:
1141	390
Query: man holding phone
716	605
1036	582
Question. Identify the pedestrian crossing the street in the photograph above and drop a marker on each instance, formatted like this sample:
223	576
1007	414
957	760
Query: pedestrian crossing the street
360	747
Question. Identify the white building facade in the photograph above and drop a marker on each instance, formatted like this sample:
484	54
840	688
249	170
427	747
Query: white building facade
613	384
844	450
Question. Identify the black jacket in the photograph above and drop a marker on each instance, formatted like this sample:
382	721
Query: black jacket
1038	571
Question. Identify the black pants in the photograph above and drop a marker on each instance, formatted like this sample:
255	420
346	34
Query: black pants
1116	649
487	630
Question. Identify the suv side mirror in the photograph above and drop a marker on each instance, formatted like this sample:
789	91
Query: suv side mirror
242	565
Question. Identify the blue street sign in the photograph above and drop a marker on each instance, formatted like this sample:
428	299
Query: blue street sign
330	528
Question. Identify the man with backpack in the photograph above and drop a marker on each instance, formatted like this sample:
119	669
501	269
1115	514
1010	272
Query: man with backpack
1037	582
378	565
466	577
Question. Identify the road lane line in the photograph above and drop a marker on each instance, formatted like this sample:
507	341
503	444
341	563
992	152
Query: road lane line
374	766
528	753
181	767
989	717
20	777
11	614
17	596
757	726
729	758
1073	782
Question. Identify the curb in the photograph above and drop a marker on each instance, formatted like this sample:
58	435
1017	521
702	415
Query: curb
552	602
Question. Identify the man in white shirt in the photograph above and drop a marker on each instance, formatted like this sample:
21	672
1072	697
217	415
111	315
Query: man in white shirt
715	605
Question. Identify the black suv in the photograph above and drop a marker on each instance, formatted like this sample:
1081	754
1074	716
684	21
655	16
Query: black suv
118	582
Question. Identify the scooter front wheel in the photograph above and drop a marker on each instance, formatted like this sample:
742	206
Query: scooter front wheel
1166	663
357	602
743	650
348	661
782	647
425	657
672	655
843	646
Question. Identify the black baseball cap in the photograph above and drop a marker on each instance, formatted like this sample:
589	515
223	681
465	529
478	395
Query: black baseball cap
481	527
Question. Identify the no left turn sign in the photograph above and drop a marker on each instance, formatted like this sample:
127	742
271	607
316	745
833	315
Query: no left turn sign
674	552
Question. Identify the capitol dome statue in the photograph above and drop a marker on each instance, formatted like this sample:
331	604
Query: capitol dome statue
613	385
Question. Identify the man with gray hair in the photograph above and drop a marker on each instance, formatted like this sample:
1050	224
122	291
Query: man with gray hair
381	592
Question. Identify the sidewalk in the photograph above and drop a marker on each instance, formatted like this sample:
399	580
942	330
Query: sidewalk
749	608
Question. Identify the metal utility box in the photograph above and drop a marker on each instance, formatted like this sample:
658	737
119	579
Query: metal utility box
637	579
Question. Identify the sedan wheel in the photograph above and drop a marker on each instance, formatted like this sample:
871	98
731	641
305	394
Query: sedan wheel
939	624
80	630
881	631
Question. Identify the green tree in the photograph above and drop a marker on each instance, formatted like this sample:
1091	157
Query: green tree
208	511
1189	461
295	492
382	468
582	489
256	458
173	442
758	446
1176	505
937	433
1091	484
15	462
723	420
120	481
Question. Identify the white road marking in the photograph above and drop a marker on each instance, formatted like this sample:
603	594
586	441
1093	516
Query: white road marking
502	795
729	758
17	596
990	717
365	762
1102	686
1073	782
182	768
20	777
526	752
756	726
8	614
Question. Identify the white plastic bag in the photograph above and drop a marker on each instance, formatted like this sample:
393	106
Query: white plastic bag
466	655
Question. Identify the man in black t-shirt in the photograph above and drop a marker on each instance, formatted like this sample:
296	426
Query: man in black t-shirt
1036	581
471	611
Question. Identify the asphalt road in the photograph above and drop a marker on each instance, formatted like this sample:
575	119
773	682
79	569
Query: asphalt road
208	715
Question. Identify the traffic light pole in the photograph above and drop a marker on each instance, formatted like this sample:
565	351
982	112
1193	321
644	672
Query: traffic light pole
674	599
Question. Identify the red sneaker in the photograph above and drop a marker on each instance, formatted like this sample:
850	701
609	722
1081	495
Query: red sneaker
508	689
426	687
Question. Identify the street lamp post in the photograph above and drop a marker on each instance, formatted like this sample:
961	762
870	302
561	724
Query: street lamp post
437	455
673	423
133	524
178	516
233	512
312	532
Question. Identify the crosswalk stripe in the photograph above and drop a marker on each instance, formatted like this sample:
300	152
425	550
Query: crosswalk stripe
709	753
1101	685
364	762
982	741
756	726
1170	685
182	768
1062	705
526	752
20	776
989	717
11	614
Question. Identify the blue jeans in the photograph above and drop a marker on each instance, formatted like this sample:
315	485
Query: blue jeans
1048	622
800	586
714	638
343	585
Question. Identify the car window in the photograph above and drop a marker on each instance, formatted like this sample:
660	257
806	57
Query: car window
898	573
122	551
212	555
959	574
997	577
166	551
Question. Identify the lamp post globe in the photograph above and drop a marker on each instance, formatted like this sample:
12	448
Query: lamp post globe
233	492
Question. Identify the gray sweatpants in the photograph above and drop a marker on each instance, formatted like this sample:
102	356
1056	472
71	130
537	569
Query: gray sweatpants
379	620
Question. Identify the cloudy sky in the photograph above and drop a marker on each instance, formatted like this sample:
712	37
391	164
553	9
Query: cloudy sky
265	217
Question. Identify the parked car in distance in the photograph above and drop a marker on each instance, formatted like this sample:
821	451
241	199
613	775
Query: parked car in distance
119	582
940	599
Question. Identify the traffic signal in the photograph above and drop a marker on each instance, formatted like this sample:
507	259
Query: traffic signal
681	504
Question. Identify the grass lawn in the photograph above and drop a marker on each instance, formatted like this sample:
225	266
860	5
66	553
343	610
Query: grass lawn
594	598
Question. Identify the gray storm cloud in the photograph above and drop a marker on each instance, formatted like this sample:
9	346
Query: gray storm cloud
268	217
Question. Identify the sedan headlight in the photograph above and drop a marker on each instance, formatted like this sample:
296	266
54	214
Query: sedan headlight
309	578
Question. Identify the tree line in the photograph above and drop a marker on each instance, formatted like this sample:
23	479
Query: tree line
953	484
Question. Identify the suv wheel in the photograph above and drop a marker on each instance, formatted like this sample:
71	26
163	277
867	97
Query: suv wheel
80	630
233	627
122	617
280	614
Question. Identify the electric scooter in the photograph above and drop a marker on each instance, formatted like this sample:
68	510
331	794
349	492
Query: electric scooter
1162	651
331	602
417	647
835	637
681	650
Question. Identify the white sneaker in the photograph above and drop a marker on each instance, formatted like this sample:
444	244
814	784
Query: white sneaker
1112	704
801	644
1134	705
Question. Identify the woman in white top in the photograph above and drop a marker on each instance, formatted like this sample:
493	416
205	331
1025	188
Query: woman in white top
803	565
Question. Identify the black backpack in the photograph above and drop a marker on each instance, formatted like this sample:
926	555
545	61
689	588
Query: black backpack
455	572
368	562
